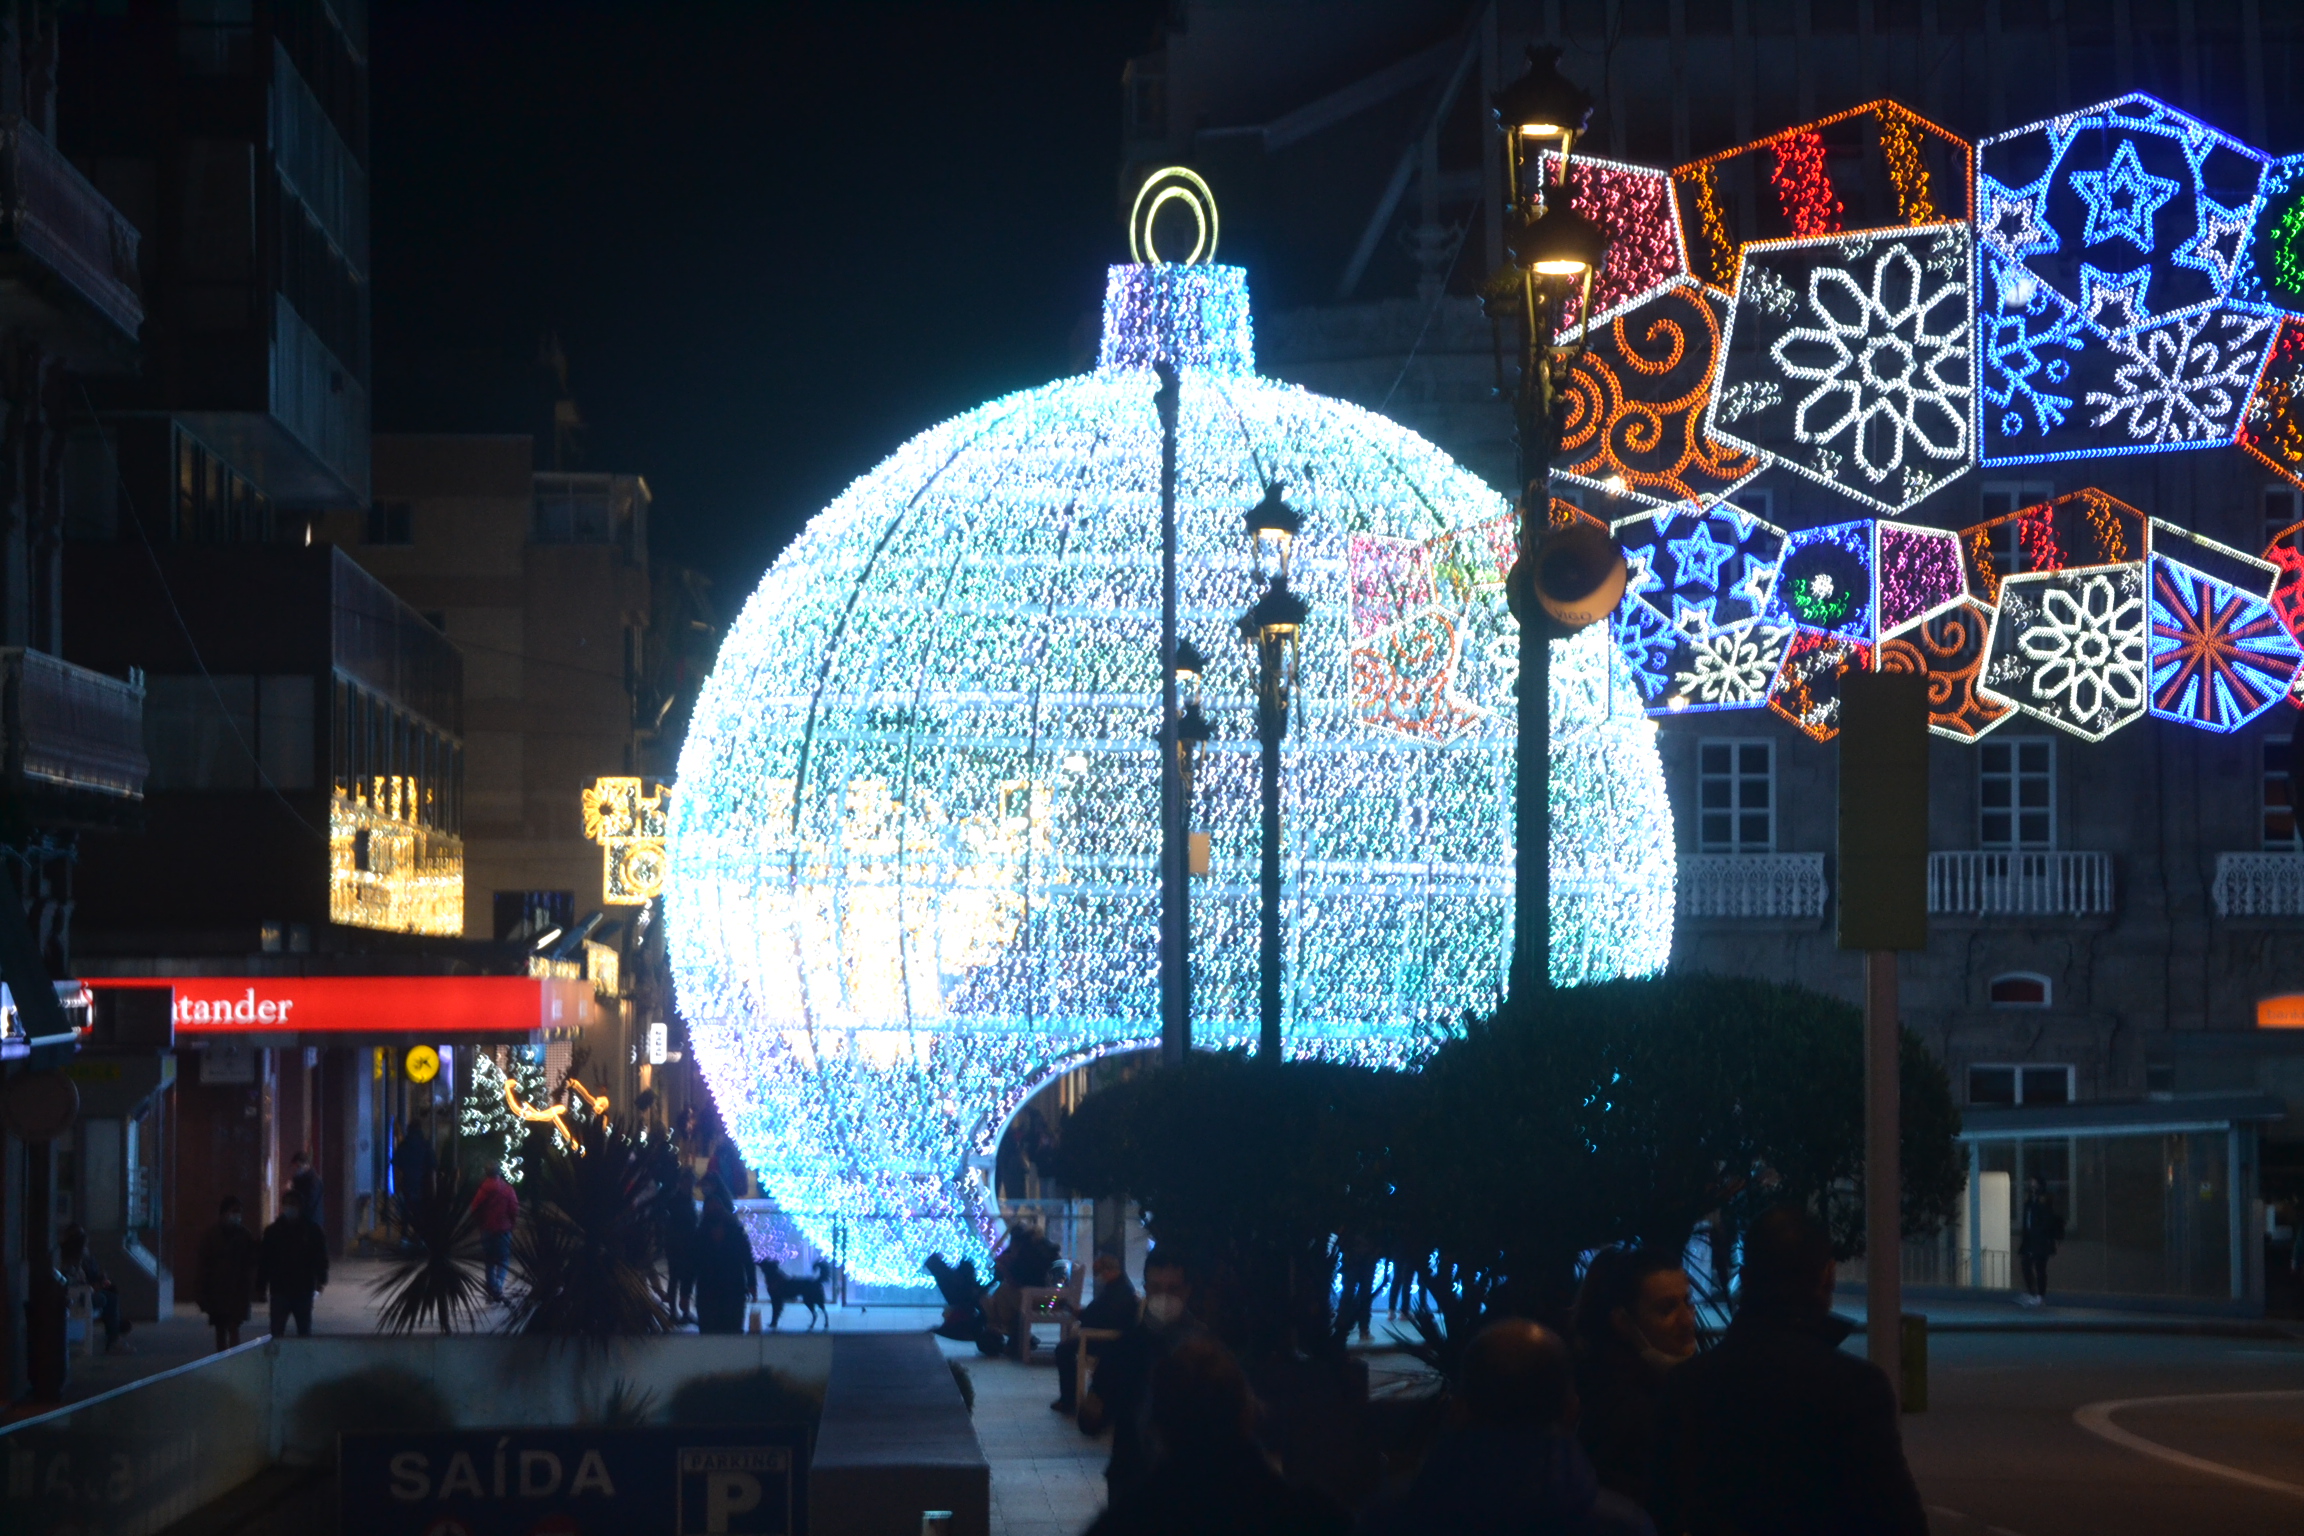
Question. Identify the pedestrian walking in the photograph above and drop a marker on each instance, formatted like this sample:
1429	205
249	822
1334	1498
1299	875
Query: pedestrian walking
303	1179
725	1278
227	1272
1113	1310
1210	1477
1510	1462
291	1267
1119	1398
79	1267
2041	1229
676	1206
412	1163
1633	1323
496	1206
1776	1428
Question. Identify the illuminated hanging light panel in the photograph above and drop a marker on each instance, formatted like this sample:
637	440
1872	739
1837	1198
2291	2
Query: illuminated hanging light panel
1633	421
2113	315
913	856
1689	630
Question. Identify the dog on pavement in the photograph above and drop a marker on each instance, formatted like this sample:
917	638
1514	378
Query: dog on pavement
784	1288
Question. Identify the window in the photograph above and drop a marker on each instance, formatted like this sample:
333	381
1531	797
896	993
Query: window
2020	989
1736	796
528	914
1988	1084
391	522
213	504
2016	794
2279	797
2283	510
1760	503
2000	498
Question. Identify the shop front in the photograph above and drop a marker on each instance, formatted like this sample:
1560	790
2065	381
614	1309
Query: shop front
341	1068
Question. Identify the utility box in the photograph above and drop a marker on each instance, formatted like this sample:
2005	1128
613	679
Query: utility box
1883	857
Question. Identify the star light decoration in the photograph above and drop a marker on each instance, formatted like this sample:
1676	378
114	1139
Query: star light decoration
2117	306
1847	360
1688	628
913	854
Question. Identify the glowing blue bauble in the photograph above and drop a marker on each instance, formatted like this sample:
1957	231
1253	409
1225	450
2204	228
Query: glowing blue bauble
913	852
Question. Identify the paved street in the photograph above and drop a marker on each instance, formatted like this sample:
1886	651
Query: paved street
1999	1451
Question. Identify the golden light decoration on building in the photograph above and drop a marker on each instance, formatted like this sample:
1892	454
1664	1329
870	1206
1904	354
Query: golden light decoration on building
629	827
391	873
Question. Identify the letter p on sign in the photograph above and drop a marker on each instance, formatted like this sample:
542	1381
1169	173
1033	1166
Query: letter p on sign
735	1491
727	1494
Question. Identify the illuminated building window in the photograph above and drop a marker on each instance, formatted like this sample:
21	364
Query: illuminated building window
2279	797
2016	794
1736	796
2020	989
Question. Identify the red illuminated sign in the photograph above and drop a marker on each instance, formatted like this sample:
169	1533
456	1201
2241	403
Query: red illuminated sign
425	1006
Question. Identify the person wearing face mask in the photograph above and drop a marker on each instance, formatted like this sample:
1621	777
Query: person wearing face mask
227	1273
1633	1323
1121	1394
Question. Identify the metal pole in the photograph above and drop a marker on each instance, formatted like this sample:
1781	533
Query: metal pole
1175	1019
1883	1174
1531	964
1270	722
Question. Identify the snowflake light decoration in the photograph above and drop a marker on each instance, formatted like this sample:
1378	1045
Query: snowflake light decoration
1698	581
2069	647
2220	657
1848	360
1635	404
912	855
2116	311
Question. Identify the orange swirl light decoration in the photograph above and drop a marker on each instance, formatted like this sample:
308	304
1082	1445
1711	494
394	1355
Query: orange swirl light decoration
1949	649
1636	398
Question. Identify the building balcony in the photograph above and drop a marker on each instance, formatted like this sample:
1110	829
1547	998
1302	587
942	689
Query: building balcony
2020	884
1762	885
67	257
2259	885
71	740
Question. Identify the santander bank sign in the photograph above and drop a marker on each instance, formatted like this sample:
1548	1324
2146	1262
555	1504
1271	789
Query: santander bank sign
428	1007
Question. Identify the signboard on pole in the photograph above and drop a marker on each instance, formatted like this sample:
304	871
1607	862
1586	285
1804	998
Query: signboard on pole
748	1480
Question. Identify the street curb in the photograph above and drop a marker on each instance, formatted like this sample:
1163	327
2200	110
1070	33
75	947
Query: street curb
2207	1327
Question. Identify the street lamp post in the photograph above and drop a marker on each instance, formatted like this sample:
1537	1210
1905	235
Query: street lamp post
1192	735
1271	626
1555	251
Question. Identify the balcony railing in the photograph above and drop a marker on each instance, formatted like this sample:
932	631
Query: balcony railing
1752	885
53	216
69	728
2259	885
2020	884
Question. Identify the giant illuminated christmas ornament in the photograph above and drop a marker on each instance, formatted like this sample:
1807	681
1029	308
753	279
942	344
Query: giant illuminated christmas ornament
913	857
2108	316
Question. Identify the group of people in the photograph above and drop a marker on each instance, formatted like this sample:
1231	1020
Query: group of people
287	1266
1619	1428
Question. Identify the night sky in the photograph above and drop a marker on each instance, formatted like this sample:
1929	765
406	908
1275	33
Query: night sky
774	240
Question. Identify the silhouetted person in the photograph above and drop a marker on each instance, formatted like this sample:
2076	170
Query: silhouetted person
79	1267
1120	1397
496	1207
227	1273
1209	1475
678	1216
412	1163
2042	1229
291	1267
1510	1465
303	1179
1633	1323
725	1279
1776	1429
1113	1310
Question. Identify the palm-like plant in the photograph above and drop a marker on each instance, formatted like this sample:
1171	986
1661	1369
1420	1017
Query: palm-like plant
440	1278
584	1257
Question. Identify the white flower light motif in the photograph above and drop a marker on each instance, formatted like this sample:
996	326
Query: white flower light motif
1734	667
2070	647
2186	381
1882	345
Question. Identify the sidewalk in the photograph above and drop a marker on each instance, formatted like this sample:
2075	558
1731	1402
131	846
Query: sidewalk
1997	1312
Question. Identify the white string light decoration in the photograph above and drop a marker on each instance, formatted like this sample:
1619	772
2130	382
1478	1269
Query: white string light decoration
913	857
1848	361
1688	630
